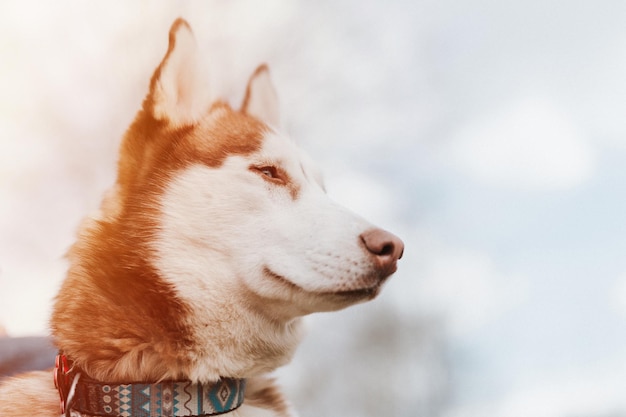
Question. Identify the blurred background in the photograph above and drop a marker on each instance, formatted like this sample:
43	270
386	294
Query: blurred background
490	135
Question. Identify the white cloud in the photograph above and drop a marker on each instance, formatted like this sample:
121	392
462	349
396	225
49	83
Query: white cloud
463	287
530	144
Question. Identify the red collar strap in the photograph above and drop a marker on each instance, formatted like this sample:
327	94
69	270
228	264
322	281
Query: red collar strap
89	397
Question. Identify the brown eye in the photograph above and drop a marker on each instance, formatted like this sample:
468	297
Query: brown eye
268	171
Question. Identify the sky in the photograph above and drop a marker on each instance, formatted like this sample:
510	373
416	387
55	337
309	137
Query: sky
489	135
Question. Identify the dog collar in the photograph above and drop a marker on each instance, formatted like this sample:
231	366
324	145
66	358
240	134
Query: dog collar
90	397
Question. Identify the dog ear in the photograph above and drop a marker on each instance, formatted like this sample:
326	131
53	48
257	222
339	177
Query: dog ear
261	100
178	91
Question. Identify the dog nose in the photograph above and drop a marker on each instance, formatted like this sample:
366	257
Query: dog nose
387	247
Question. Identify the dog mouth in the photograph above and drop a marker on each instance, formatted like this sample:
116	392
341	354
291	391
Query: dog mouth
365	292
359	293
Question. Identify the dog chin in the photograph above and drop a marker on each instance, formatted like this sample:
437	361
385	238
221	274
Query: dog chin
364	294
343	297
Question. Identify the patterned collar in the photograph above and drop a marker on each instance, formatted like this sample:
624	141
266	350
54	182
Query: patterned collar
88	397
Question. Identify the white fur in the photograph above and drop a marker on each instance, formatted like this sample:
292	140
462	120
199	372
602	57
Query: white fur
220	223
222	227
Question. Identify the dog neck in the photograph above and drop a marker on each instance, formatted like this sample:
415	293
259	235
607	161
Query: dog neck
122	321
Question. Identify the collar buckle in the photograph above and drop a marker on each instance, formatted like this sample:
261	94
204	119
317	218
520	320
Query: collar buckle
63	368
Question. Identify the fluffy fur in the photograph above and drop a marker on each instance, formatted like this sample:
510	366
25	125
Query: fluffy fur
216	238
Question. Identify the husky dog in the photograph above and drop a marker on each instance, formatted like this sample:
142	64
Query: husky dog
188	287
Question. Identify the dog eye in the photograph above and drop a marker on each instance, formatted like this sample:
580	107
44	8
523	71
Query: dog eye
268	171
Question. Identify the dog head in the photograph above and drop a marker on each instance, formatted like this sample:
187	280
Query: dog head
219	230
237	203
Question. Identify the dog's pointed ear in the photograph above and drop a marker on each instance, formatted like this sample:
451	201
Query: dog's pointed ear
261	100
178	89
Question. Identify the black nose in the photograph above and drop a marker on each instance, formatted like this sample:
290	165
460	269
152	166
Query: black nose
387	247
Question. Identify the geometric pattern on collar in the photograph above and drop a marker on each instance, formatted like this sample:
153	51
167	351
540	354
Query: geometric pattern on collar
167	398
81	395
